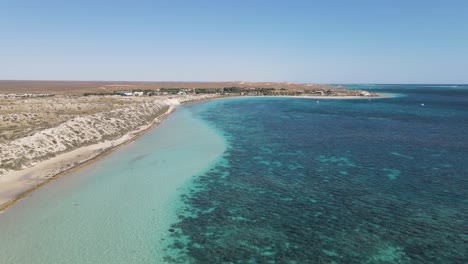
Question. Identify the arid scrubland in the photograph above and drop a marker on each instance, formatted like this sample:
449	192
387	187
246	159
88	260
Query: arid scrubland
36	129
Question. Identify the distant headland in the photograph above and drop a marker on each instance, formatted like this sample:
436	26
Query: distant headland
44	88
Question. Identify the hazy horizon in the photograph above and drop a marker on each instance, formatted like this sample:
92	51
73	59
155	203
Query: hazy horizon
228	81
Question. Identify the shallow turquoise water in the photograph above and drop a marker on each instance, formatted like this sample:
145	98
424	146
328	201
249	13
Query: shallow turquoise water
117	210
267	180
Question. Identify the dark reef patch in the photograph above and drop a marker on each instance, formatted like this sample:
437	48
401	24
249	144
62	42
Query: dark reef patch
348	181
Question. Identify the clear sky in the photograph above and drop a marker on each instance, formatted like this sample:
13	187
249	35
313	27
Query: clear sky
323	41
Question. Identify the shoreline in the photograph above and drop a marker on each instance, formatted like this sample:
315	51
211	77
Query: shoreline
135	190
378	96
23	182
350	97
48	172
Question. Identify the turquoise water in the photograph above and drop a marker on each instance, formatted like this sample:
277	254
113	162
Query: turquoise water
267	180
117	210
334	181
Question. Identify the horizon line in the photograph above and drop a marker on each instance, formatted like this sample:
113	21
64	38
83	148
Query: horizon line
237	81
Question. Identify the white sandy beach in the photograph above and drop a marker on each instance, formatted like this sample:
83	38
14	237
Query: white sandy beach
14	184
379	96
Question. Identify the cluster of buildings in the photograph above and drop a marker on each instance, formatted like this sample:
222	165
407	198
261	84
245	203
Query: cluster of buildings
129	93
155	92
246	91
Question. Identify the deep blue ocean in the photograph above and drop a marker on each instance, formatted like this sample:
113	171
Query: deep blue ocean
332	181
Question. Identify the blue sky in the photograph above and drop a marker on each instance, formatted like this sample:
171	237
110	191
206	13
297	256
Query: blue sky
328	41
